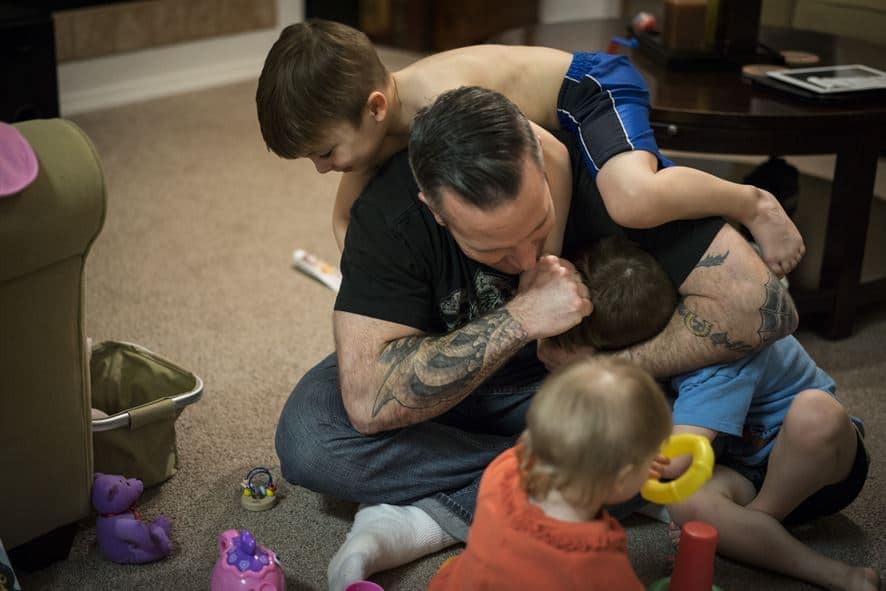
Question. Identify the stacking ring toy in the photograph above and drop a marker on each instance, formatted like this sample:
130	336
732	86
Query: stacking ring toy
255	496
665	493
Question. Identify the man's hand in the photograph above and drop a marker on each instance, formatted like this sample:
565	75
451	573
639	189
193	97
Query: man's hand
553	356
551	298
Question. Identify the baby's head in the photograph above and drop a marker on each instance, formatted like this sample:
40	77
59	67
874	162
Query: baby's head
592	432
632	295
320	95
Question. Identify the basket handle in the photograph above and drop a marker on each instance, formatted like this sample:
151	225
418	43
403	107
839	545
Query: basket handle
124	419
152	412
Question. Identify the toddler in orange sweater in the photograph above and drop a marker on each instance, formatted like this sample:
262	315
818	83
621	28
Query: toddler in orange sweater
592	438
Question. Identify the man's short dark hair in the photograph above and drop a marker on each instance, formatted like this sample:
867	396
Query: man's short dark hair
632	295
472	141
316	74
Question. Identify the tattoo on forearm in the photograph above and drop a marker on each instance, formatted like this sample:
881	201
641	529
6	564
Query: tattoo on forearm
704	329
712	260
778	315
722	339
696	324
424	372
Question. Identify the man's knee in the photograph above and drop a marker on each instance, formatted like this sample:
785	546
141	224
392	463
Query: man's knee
304	426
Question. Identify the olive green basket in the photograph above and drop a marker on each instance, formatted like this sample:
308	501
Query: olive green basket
143	394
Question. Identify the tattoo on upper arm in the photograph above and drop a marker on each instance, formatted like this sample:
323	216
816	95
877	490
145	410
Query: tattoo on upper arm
712	260
424	372
778	315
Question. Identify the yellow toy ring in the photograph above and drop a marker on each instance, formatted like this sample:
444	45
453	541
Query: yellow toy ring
665	493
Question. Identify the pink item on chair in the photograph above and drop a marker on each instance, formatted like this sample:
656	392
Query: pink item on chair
18	164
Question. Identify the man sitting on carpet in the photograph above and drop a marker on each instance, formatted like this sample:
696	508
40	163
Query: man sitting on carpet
444	295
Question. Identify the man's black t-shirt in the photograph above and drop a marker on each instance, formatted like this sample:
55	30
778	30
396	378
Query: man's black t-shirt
401	266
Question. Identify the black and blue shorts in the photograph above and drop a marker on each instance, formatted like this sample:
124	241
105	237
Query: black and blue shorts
605	102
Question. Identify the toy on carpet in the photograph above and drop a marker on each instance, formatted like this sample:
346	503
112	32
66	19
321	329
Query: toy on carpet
315	267
121	533
694	567
665	493
256	496
364	586
245	565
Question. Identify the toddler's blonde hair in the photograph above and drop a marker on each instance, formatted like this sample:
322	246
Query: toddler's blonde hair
585	424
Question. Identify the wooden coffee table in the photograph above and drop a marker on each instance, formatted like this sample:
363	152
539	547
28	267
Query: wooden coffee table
718	112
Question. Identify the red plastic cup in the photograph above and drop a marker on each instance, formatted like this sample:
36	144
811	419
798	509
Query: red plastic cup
694	567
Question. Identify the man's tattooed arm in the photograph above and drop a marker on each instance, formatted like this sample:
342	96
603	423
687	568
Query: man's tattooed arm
730	305
778	314
393	376
712	260
437	372
778	318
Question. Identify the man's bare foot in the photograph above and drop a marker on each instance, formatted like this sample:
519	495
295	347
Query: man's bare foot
775	233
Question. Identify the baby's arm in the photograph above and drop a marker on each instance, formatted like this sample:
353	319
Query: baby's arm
349	188
639	195
678	465
559	174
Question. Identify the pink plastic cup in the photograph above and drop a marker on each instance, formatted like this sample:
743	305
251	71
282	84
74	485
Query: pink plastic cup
364	586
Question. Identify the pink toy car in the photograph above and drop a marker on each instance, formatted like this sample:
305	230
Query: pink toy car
244	565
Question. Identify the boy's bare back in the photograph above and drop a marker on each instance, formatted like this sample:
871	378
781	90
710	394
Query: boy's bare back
530	76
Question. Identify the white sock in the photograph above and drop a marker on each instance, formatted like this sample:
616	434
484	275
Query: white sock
383	537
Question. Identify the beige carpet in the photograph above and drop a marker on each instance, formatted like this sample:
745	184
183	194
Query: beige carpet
194	263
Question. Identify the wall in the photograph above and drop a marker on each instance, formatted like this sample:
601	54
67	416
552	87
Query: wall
554	11
91	84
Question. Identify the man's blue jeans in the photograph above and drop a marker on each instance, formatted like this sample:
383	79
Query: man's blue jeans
435	465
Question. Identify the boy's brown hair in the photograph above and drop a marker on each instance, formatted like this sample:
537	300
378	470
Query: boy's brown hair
632	295
316	74
585	424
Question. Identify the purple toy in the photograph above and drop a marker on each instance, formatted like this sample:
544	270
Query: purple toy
122	535
244	565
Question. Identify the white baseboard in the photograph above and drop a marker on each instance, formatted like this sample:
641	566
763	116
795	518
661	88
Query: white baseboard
110	81
140	88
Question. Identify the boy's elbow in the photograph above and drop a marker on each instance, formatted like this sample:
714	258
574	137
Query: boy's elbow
631	206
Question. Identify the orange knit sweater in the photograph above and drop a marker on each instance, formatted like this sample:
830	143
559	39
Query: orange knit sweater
512	544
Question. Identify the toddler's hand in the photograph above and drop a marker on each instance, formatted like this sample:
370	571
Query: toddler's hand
658	466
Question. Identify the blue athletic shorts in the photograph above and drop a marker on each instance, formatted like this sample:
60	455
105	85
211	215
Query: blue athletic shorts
605	101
